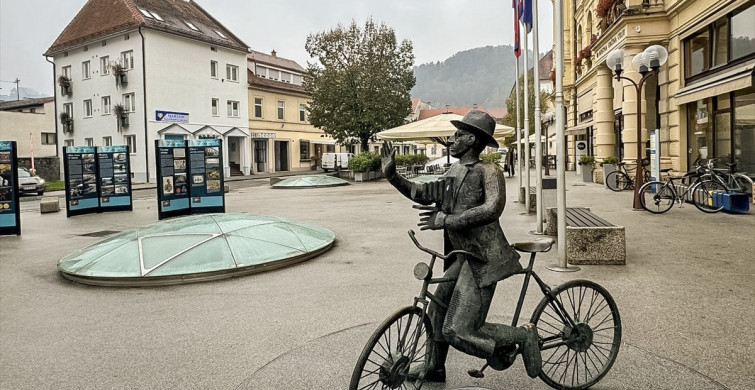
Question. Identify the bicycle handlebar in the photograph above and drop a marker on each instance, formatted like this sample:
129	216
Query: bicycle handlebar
434	253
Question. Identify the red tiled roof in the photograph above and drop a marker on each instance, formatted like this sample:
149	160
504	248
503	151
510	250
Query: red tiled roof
16	104
545	66
99	18
415	102
278	62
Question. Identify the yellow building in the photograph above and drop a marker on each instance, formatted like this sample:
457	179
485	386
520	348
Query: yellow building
702	100
282	137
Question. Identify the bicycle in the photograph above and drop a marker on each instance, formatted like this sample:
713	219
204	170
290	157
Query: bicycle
658	197
578	324
620	179
730	178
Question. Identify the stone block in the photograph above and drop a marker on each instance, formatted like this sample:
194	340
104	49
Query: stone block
274	180
596	245
226	188
49	204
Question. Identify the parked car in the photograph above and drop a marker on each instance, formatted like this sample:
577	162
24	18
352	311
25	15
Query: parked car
336	161
28	183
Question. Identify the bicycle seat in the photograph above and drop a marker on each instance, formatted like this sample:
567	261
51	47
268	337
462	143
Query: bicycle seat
534	246
666	170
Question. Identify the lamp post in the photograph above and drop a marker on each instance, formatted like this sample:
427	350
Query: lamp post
646	63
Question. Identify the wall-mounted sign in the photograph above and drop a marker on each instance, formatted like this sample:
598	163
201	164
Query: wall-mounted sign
172	176
114	177
10	213
80	166
206	176
170	116
262	135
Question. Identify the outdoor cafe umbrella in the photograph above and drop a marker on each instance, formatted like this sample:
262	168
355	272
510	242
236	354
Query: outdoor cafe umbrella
434	129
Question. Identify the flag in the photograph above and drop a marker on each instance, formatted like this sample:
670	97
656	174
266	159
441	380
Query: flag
525	14
517	48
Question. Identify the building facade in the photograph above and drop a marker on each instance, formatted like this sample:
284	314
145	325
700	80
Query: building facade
135	71
702	100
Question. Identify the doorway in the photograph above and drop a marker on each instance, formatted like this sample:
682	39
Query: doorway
281	156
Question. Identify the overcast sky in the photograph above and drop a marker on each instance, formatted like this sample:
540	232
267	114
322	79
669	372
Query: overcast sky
437	28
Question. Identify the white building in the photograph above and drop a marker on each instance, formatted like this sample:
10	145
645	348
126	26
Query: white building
184	77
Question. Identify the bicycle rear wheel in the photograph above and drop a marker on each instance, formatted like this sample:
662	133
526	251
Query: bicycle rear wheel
577	353
704	196
401	343
617	181
657	197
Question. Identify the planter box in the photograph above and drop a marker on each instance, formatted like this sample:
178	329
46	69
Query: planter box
361	176
587	173
607	169
372	175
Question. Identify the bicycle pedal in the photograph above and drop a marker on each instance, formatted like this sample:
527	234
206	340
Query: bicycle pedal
475	373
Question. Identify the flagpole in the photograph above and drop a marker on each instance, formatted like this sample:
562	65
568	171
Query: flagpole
526	125
558	29
538	131
518	127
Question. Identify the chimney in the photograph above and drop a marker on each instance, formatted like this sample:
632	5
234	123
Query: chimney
273	53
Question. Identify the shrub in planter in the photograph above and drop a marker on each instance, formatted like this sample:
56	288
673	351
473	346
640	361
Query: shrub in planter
361	163
586	160
491	157
65	85
610	160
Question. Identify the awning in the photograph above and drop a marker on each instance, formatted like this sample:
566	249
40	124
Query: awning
321	141
578	129
737	78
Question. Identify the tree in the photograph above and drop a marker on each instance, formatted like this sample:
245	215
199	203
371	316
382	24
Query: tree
510	118
362	83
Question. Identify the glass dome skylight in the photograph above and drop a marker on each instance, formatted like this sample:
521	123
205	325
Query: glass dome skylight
310	181
196	248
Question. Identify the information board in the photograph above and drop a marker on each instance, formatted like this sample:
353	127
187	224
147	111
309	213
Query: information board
206	176
10	212
113	164
655	155
80	167
172	176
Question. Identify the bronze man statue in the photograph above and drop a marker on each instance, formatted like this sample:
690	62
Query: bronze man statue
471	199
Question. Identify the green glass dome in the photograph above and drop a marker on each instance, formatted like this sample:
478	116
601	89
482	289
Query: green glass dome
196	248
310	182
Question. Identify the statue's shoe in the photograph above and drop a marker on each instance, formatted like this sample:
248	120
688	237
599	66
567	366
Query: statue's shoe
531	351
433	375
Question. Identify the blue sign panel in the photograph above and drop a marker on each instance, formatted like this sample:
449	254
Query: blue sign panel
80	167
206	175
172	178
114	177
170	116
10	213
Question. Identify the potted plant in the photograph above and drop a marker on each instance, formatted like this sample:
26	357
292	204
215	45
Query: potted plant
67	121
120	112
119	72
360	165
587	163
65	85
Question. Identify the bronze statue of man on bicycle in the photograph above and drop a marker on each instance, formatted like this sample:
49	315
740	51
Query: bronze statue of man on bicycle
466	203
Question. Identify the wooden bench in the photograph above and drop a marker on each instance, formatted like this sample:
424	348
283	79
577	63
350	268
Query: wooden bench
590	239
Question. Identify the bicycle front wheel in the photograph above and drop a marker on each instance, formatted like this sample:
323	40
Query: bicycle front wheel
617	181
580	333
400	344
705	194
657	197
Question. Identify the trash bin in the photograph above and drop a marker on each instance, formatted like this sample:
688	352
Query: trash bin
549	192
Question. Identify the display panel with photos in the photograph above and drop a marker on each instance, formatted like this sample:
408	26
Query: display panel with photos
206	176
10	213
172	178
82	187
114	178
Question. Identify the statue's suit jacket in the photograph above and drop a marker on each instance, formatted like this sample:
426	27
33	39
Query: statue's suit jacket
473	199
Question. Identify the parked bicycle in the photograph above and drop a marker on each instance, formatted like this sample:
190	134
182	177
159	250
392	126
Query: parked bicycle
578	324
730	178
659	196
620	179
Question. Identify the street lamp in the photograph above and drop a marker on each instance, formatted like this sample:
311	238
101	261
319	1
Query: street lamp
646	63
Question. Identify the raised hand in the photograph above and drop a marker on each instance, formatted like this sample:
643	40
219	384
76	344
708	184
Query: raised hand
388	160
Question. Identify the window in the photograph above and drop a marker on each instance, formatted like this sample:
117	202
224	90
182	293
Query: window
273	74
127	59
129	102
260	71
233	108
104	65
89	141
303	150
232	72
158	17
744	131
146	13
215	104
85	71
105	105
258	107
220	34
130	142
302	113
742	33
67	71
68	109
191	26
281	109
68	142
107	141
214	69
48	138
87	108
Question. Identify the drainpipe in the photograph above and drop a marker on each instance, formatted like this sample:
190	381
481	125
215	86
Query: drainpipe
55	95
144	87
